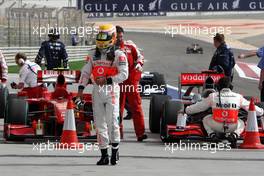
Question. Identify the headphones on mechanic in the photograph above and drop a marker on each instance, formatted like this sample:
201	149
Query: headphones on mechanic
21	61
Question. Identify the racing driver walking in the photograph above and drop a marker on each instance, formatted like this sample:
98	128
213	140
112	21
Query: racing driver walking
108	67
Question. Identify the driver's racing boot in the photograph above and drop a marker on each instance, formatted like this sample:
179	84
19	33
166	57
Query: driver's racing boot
104	160
115	154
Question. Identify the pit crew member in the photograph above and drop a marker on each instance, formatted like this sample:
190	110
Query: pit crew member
129	87
53	51
223	56
108	67
27	73
259	53
3	69
225	105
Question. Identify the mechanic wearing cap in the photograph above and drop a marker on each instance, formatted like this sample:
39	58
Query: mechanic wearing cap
223	56
109	68
259	53
129	87
3	69
53	51
27	73
225	105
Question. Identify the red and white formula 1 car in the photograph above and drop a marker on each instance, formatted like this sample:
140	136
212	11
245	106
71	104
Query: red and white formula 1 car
163	112
39	113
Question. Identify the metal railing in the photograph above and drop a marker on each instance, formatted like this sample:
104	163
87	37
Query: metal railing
75	53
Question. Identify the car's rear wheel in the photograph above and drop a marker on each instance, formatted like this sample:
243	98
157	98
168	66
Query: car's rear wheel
159	81
155	111
3	100
169	117
17	113
188	50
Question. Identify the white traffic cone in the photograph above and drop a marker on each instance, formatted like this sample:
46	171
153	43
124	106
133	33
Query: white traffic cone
251	137
69	137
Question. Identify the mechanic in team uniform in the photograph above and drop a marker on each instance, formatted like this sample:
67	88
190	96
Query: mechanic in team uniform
3	69
259	53
53	51
227	104
129	87
27	73
223	56
109	68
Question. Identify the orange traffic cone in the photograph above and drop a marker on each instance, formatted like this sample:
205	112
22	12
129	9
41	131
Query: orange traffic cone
69	137
251	137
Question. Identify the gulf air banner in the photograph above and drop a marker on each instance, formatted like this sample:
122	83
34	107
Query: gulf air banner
144	6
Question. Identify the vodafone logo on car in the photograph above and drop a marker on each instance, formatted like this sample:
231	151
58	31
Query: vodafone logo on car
198	78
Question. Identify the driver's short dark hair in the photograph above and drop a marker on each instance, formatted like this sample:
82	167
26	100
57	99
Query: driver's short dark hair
224	82
119	29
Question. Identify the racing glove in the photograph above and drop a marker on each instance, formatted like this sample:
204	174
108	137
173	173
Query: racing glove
78	102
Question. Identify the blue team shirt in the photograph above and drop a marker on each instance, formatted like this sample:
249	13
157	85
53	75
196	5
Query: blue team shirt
260	54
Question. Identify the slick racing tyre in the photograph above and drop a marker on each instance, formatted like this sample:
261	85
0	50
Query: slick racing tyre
17	111
160	82
155	111
169	117
3	100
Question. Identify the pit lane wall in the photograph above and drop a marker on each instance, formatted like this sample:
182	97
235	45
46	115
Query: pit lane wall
74	52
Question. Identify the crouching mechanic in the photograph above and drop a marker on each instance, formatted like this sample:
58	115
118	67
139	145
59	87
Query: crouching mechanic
27	73
108	68
129	88
3	69
225	110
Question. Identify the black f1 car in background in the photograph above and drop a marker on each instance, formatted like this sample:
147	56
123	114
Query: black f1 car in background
152	83
164	111
194	49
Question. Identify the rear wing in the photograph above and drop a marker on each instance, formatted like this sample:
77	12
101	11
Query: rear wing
196	79
50	76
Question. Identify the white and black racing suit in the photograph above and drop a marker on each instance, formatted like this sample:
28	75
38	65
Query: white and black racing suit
225	111
106	98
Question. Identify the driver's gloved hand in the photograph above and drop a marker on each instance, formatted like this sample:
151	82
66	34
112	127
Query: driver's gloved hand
78	102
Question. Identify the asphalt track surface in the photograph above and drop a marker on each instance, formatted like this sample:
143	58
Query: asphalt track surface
165	55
